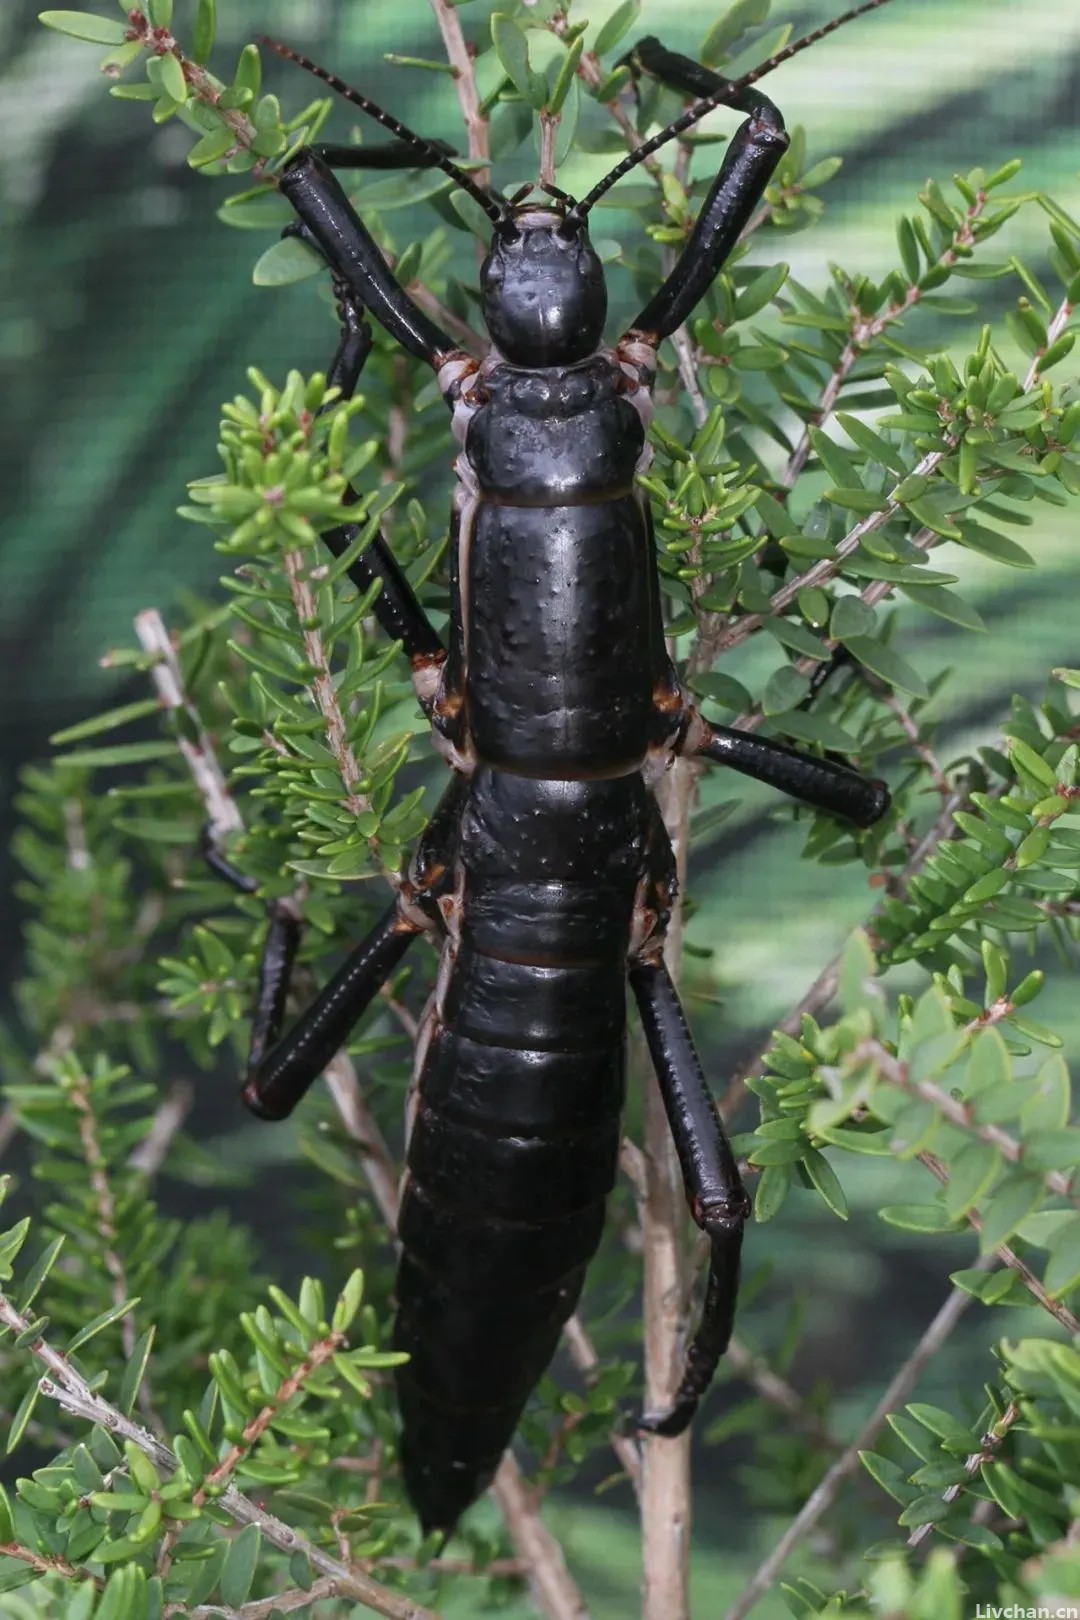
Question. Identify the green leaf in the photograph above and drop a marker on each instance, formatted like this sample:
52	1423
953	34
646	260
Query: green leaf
1062	1273
946	604
722	689
620	22
1052	1150
1014	1198
772	1189
85	25
565	78
512	49
826	1181
761	291
173	82
889	1475
918	1217
205	29
135	1371
971	1174
887	663
98	1325
945	1426
287	261
240	1566
731	27
37	1274
109	721
22	1417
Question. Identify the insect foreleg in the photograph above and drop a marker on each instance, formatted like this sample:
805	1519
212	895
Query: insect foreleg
716	1196
396	607
352	254
750	158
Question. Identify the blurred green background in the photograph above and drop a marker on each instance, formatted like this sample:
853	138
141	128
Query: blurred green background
127	314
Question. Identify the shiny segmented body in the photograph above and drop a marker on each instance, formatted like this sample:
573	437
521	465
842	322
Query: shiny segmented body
545	872
520	1080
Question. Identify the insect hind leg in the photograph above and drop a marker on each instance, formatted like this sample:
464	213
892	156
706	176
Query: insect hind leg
718	1201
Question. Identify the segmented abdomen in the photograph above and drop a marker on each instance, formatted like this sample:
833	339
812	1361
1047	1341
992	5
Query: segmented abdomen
516	1136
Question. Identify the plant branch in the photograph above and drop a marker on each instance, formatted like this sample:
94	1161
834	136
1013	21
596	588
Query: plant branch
150	1154
824	1494
1009	1257
461	61
78	1090
261	1608
199	756
323	690
958	1113
991	1441
65	1385
863	332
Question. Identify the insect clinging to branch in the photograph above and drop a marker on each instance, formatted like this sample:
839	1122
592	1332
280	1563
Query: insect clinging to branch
546	874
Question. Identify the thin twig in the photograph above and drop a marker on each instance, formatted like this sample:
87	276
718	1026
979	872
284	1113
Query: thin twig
100	1186
553	1587
65	1385
957	1112
44	1565
778	1392
863	332
918	742
151	1153
1008	1257
666	1503
199	756
826	569
461	60
376	1160
824	1495
261	1608
991	1442
323	690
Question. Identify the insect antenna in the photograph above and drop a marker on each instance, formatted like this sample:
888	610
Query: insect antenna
729	89
425	149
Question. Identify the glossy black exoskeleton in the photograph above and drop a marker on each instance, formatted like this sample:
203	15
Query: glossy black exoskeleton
546	873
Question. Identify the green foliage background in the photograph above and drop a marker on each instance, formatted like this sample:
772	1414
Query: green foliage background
126	313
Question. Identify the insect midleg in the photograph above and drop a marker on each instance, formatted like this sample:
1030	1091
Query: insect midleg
280	1070
836	788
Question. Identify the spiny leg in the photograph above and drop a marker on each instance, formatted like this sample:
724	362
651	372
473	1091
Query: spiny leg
751	156
716	1196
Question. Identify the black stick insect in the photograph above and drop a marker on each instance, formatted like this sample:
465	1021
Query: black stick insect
546	873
